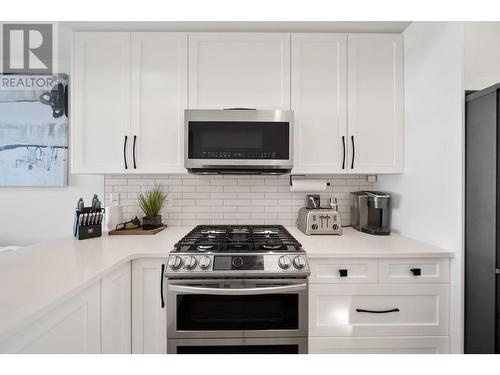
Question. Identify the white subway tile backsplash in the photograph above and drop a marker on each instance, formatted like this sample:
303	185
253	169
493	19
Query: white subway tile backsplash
236	188
209	188
224	195
265	189
223	182
228	199
251	195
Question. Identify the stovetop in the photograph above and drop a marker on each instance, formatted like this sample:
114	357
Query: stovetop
237	251
238	238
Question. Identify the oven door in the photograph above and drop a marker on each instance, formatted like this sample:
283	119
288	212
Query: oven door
237	308
238	140
264	345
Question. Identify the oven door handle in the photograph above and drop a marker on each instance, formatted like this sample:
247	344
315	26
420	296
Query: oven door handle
237	291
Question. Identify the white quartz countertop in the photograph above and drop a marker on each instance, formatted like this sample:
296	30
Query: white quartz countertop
354	244
34	279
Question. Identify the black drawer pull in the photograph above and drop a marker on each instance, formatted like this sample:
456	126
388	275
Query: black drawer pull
378	311
133	152
343	273
125	152
416	271
161	285
353	152
343	152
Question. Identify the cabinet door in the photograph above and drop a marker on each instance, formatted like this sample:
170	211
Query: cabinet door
228	70
100	110
149	319
379	345
375	103
73	327
378	310
159	97
116	311
343	271
414	271
319	102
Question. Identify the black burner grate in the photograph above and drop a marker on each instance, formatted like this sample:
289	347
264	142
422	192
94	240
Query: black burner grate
234	238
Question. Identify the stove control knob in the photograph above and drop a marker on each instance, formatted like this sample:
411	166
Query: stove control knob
237	262
205	262
175	262
284	262
314	226
190	262
299	262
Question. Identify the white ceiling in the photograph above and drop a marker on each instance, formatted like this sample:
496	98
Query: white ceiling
253	26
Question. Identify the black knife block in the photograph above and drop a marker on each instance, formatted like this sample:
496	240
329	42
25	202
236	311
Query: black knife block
83	232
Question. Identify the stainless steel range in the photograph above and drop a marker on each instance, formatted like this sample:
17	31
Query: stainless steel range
237	289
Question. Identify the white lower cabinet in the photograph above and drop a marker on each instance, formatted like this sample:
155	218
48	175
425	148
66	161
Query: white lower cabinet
378	317
73	327
149	318
116	311
379	345
96	320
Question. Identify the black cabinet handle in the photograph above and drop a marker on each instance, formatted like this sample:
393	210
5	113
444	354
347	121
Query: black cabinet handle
378	311
125	152
161	286
133	151
343	273
343	150
416	271
353	152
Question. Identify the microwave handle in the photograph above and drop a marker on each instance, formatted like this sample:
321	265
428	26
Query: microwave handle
237	291
239	109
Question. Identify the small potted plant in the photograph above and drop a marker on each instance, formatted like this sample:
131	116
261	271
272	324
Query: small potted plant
151	204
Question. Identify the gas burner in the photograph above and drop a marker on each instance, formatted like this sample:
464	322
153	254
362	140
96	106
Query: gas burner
272	244
212	231
240	230
204	247
265	231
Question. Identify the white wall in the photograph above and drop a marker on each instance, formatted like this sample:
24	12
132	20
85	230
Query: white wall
30	215
428	197
482	54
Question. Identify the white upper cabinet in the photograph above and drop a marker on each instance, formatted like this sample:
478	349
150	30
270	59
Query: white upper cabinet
129	94
229	70
318	94
159	97
375	103
100	111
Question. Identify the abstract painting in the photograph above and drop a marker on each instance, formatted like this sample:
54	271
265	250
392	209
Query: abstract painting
33	130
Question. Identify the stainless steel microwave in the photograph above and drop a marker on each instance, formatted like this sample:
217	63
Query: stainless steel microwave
238	141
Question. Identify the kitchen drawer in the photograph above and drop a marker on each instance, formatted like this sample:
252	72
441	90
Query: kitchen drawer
344	271
379	345
389	310
413	271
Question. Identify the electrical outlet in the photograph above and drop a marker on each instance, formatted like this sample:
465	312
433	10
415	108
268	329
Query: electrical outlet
169	200
371	179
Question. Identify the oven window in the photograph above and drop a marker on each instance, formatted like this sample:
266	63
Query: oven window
239	349
218	312
238	140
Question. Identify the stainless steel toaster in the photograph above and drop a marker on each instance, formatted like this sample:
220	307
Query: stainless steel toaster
319	221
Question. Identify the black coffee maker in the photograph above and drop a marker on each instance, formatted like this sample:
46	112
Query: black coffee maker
371	212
